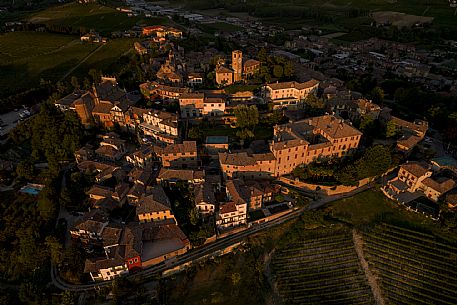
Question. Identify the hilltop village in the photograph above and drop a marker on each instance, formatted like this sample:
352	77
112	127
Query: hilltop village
182	177
214	143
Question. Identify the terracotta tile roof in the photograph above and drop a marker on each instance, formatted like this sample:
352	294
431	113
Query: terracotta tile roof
251	62
238	191
93	221
228	207
223	69
143	152
185	147
289	144
204	193
138	111
131	240
107	151
102	108
142	176
137	191
181	174
441	186
367	106
238	159
69	99
293	84
264	157
410	125
194	95
111	234
156	202
333	126
121	190
319	146
409	142
415	168
215	100
95	264
101	191
152	231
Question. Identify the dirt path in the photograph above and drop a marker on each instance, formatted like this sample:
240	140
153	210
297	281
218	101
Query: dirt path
372	281
81	62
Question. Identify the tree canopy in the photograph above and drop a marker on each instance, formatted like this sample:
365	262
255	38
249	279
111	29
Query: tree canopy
247	117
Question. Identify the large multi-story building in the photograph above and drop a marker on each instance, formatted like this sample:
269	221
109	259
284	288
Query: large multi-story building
231	214
289	94
294	144
155	207
194	105
161	125
179	155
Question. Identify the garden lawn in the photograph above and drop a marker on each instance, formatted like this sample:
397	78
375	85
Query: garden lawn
371	206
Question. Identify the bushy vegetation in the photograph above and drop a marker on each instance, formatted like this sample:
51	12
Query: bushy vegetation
373	162
29	236
195	227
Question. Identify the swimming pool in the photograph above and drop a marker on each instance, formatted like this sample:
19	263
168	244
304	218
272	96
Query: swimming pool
32	189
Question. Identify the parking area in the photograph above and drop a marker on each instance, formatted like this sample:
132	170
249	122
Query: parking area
9	120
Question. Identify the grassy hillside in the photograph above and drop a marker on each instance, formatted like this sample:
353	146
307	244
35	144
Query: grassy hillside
26	57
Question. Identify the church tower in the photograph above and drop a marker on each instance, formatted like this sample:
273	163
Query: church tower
237	65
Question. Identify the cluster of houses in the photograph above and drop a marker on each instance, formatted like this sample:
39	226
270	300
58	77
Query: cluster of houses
420	185
376	56
93	37
137	178
227	185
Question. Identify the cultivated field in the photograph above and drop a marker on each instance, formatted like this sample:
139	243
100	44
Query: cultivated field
27	57
342	15
412	267
90	16
399	19
323	270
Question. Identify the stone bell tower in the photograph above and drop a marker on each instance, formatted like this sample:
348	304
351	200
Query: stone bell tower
237	65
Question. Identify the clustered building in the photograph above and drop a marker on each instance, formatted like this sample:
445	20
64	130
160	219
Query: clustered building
108	105
226	185
419	179
239	71
293	144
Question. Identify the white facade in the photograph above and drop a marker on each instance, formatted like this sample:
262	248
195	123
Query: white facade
233	218
109	273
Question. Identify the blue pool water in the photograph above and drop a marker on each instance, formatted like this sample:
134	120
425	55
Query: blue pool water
30	190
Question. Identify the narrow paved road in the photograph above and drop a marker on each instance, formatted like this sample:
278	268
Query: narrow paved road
211	249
